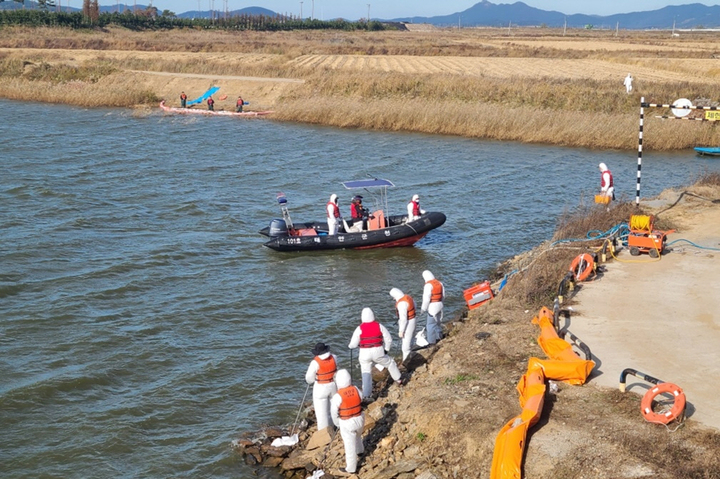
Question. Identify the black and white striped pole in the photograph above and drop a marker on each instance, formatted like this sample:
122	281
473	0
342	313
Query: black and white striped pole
640	142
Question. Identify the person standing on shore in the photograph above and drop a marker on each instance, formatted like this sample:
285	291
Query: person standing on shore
607	186
413	208
183	100
333	215
346	410
433	296
211	104
628	83
405	308
239	104
374	341
321	374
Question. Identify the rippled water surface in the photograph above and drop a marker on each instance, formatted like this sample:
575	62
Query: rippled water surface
143	326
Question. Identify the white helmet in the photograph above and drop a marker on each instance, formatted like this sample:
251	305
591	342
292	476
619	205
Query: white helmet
602	166
396	294
367	315
333	198
427	275
342	378
415	198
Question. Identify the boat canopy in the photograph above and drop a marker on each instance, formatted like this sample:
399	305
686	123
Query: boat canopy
372	183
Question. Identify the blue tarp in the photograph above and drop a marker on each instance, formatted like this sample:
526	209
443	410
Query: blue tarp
204	97
373	183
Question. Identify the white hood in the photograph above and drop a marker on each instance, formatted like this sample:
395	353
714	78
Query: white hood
415	198
396	294
367	315
427	276
333	198
602	167
342	378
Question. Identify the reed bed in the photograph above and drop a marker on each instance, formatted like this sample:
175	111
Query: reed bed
578	110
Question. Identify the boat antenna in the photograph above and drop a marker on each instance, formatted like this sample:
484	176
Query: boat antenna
282	201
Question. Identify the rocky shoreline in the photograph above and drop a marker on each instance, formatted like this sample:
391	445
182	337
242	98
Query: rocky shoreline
444	422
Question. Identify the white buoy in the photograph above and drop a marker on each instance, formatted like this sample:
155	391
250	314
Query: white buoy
681	112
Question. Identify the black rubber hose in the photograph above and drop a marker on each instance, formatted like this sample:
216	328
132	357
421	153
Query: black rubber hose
637	373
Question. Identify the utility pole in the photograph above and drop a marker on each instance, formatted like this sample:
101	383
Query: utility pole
301	11
565	27
617	28
368	13
312	12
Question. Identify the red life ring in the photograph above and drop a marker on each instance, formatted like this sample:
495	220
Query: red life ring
664	418
582	266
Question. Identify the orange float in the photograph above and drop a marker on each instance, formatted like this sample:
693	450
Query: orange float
676	411
582	266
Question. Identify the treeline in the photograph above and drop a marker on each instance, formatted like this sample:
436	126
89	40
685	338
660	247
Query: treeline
149	20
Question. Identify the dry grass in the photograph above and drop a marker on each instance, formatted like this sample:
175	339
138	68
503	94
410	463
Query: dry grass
532	86
540	271
709	179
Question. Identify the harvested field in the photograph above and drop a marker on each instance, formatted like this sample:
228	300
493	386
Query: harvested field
561	69
567	90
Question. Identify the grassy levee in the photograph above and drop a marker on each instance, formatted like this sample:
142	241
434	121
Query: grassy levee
531	86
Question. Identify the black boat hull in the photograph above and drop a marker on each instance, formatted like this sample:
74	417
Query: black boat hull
395	235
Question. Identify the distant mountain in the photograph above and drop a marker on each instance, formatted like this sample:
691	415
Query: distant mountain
488	14
121	8
220	13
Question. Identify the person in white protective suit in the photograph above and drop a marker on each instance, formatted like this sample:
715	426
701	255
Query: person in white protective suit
347	415
413	208
607	187
374	341
333	215
433	296
628	83
321	374
405	307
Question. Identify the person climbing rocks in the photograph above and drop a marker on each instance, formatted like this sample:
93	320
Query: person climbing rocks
433	296
347	415
405	308
321	374
374	341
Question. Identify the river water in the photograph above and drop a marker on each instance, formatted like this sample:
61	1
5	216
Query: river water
143	326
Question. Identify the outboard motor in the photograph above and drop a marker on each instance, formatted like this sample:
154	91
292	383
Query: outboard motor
278	227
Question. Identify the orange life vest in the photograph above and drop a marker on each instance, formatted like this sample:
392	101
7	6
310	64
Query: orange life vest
416	208
370	335
411	306
210	101
336	210
327	369
350	406
356	211
602	179
240	102
183	96
437	291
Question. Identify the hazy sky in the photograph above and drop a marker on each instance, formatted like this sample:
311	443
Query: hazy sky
355	9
